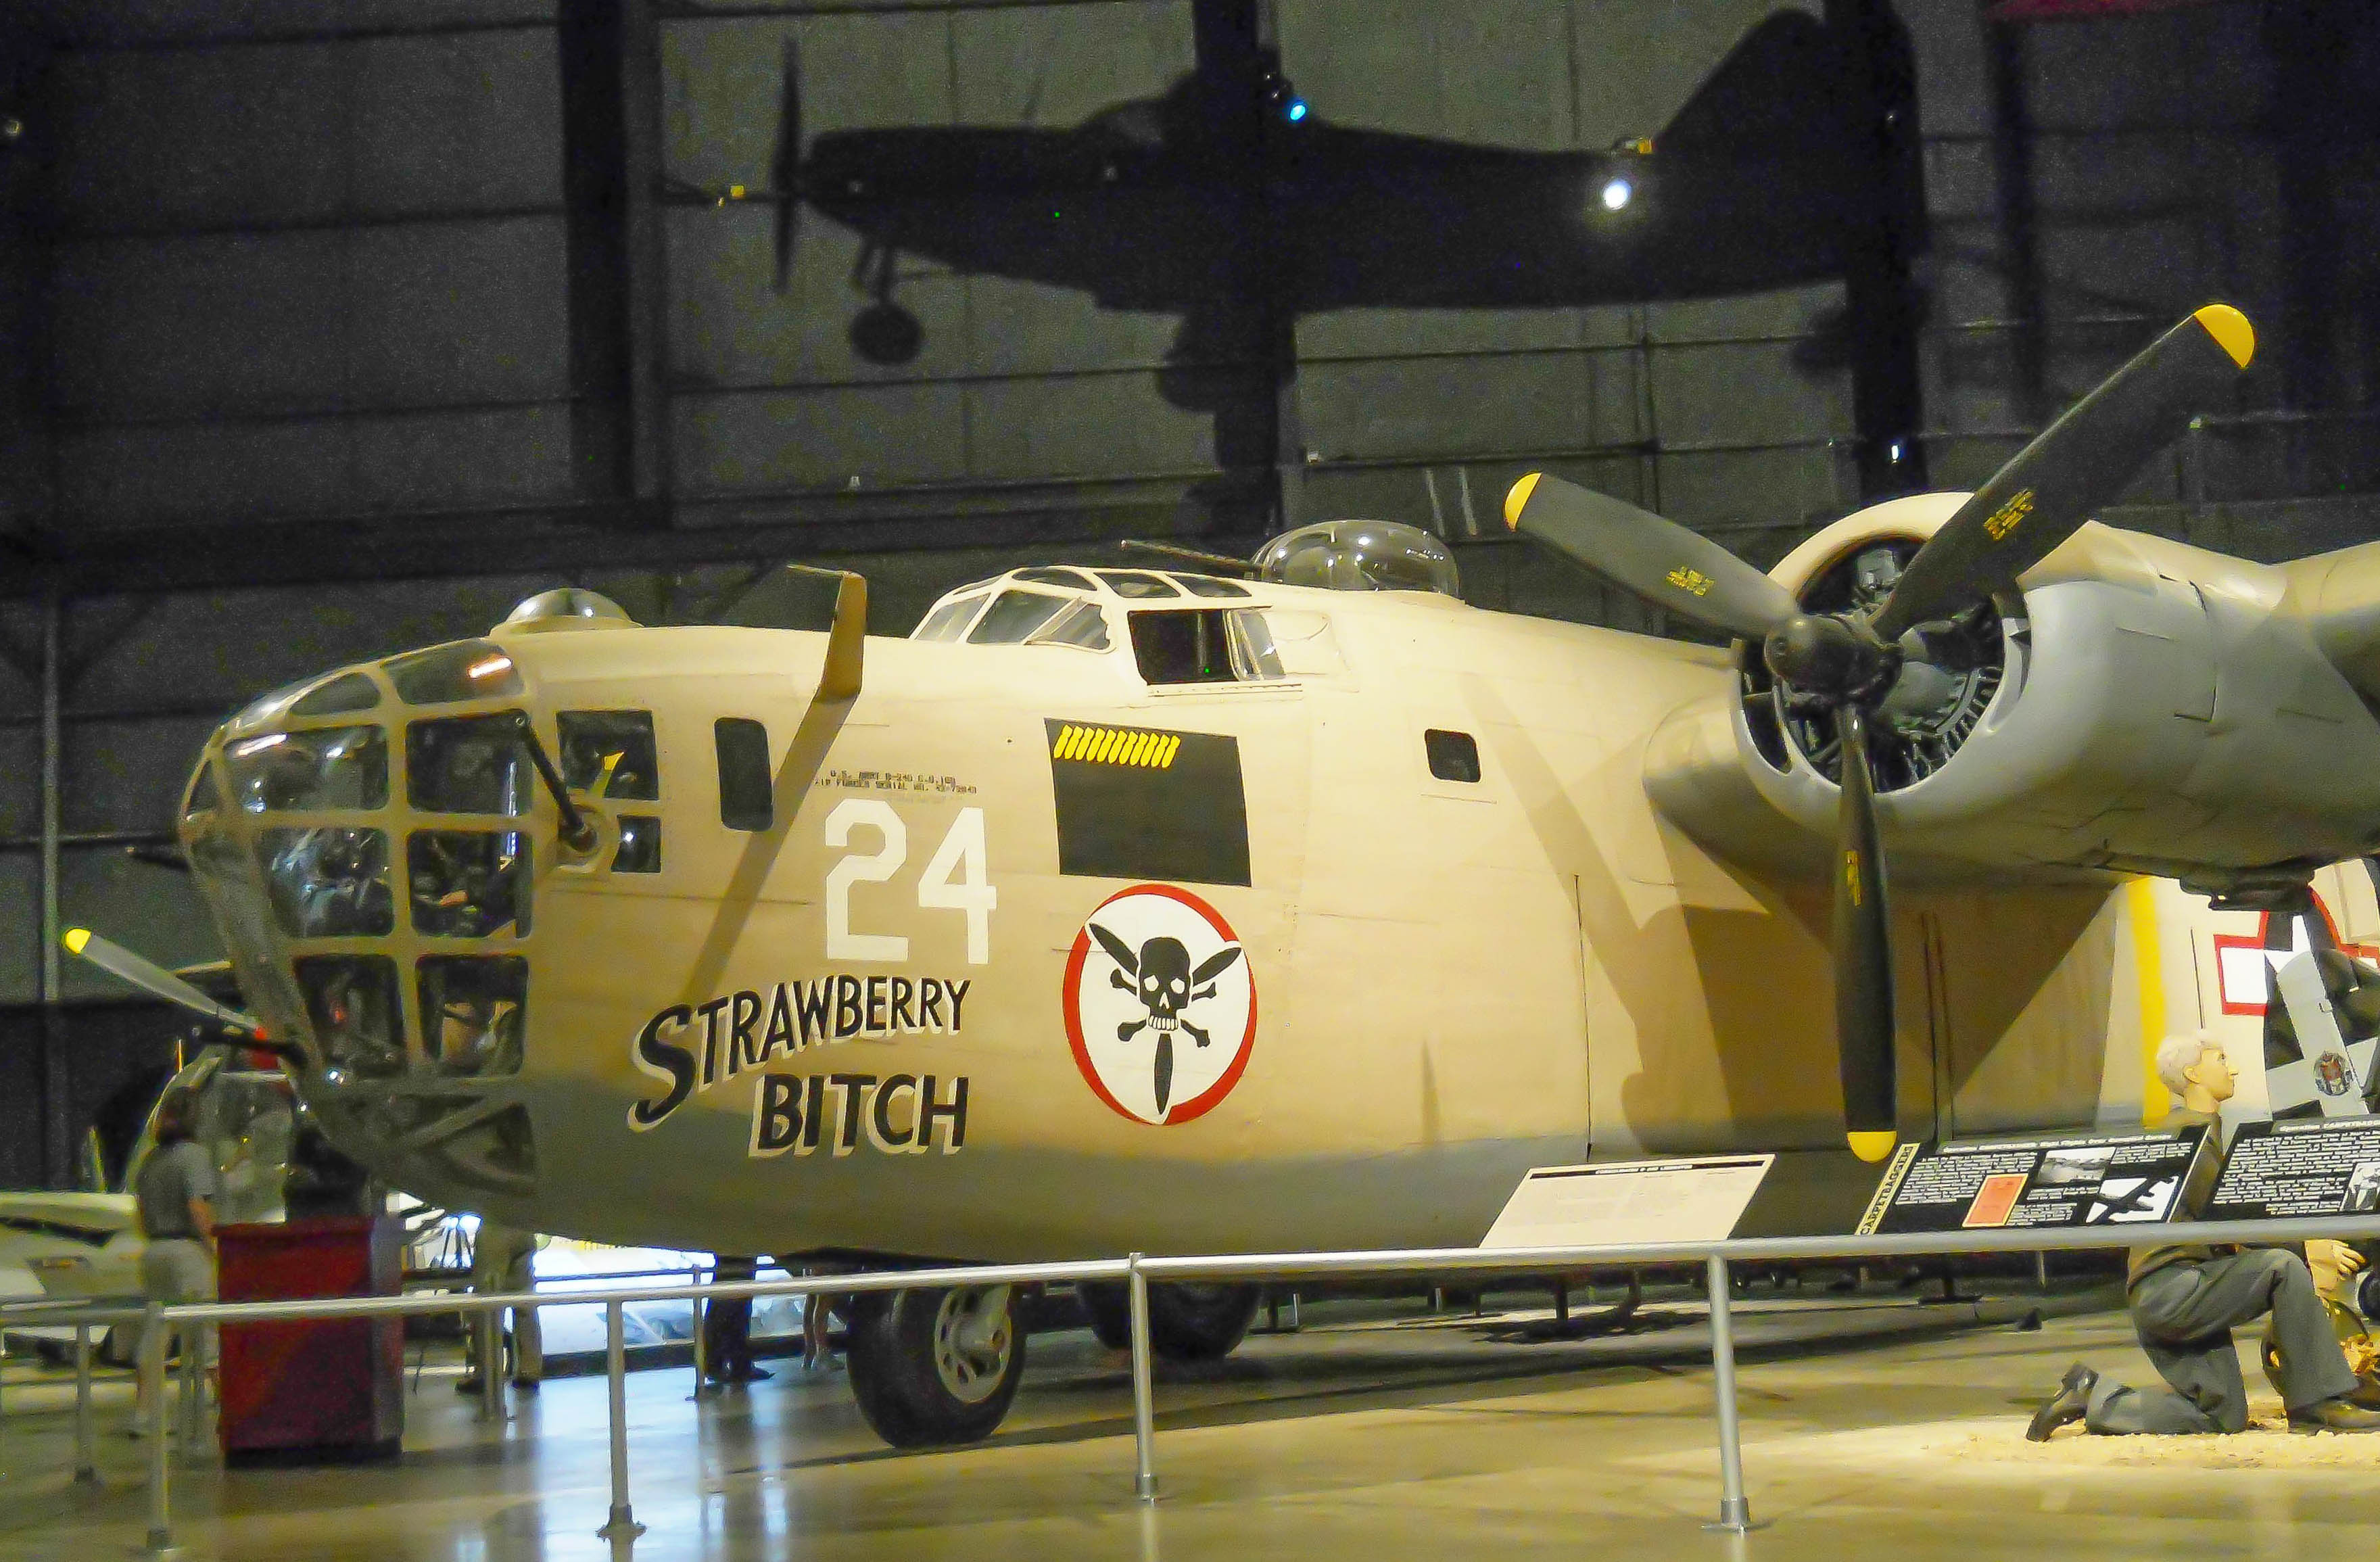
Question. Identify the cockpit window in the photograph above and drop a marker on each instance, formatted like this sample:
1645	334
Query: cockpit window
328	767
948	621
1203	645
342	696
202	798
1073	578
469	884
467	764
468	669
1082	625
327	882
1137	583
474	1012
352	1001
1014	615
610	754
1207	585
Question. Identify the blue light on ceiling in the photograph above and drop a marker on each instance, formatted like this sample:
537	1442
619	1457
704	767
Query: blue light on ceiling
1297	110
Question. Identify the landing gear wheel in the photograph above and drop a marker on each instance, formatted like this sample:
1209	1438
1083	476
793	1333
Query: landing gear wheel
1110	1310
931	1368
1187	1320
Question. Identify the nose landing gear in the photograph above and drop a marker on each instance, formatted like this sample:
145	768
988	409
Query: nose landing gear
932	1368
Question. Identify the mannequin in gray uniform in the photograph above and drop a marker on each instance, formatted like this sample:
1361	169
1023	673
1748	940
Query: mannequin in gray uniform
2187	1299
175	1195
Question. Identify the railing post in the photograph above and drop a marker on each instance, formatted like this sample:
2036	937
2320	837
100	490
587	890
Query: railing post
152	1384
86	1454
622	1524
1144	1410
190	1399
1734	1508
491	1327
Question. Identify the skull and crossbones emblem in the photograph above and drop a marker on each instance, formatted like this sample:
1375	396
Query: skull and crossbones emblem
1174	969
1162	978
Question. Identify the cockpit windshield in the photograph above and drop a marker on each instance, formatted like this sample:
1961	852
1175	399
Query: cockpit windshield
948	621
1012	617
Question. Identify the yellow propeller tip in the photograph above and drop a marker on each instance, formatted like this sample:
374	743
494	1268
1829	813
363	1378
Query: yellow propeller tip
76	938
1518	498
1873	1146
2230	330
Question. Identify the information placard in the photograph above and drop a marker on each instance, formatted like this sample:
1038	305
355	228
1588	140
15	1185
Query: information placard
1620	1201
2301	1166
2103	1179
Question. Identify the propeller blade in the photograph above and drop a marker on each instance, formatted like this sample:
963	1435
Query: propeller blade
2077	464
1863	940
786	168
1667	566
155	980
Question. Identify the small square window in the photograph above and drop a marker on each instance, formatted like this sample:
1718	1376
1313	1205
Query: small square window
1453	756
610	754
747	791
641	844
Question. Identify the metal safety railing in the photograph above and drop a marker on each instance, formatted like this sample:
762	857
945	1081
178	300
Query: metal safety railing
1137	1272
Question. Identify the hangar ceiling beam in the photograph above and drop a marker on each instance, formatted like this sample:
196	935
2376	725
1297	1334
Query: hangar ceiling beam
610	56
1884	237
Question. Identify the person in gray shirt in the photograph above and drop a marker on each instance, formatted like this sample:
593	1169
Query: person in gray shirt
175	1193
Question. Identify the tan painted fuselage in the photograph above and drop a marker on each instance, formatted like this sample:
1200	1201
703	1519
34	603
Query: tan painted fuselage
1454	981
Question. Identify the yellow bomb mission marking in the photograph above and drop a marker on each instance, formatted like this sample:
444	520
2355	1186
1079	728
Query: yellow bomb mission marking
1117	745
2004	520
1693	581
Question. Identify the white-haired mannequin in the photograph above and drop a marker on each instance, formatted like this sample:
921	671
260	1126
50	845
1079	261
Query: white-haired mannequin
2187	1299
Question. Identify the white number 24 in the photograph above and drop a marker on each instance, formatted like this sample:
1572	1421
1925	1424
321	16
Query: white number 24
953	880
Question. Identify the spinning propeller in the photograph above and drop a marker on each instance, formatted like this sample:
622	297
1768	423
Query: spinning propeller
1847	662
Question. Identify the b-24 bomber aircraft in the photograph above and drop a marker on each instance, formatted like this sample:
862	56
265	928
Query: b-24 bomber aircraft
1141	909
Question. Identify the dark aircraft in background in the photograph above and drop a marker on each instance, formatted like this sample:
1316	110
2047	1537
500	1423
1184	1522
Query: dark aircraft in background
1228	202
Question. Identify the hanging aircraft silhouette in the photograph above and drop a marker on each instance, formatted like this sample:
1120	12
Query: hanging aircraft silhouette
770	941
1226	196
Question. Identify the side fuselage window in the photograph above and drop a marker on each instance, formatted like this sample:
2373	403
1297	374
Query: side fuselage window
747	791
1453	756
1203	645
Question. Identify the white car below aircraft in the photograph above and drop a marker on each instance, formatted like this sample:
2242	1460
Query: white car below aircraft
1140	909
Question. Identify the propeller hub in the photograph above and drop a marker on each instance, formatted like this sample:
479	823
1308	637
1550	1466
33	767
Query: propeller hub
1832	655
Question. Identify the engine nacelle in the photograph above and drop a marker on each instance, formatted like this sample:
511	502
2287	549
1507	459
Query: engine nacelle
2152	707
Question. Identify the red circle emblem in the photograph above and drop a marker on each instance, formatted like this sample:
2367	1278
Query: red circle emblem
1161	1005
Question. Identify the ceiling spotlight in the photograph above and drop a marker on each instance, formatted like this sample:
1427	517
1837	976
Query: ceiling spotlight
1617	194
1297	110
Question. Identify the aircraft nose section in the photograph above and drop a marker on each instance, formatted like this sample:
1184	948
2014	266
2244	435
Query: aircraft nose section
367	842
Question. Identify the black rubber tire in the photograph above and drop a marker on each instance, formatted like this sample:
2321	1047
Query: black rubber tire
1110	1312
894	1351
1188	1321
1196	1320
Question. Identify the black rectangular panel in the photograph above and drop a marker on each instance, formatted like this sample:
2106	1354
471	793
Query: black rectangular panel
1139	803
